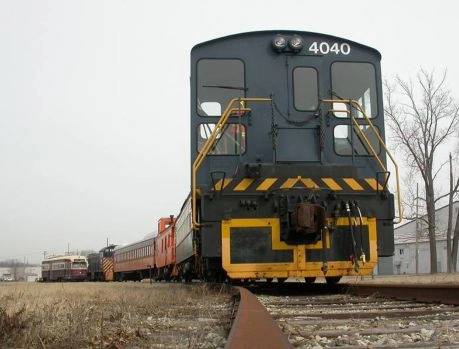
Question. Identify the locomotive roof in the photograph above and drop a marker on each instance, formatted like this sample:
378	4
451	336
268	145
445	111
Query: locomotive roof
109	247
285	32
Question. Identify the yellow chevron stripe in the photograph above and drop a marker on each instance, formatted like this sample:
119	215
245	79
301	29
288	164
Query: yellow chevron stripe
373	183
330	182
289	183
218	185
107	264
309	183
244	184
266	184
351	182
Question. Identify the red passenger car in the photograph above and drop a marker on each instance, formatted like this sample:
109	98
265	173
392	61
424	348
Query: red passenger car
135	261
165	249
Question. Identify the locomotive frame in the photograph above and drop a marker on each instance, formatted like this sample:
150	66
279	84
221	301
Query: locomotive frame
277	189
288	165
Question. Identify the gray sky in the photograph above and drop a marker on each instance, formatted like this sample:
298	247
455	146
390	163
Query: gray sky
94	99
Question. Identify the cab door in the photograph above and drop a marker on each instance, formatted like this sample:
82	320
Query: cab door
299	130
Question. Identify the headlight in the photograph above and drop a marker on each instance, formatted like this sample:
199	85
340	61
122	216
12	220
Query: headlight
279	43
295	43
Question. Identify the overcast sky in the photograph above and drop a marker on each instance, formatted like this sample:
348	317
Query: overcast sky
94	99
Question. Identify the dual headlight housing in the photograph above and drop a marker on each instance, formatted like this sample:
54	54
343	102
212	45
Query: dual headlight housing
283	43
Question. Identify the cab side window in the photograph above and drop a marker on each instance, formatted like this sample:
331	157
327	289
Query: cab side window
219	81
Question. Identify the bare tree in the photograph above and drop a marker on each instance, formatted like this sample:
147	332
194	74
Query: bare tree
421	123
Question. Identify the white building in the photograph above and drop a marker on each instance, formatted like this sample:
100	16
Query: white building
20	273
412	240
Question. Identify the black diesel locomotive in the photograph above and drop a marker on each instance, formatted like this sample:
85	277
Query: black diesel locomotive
288	162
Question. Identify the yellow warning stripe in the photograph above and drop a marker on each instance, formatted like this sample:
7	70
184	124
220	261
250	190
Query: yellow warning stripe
373	183
289	183
267	183
309	183
107	264
330	182
353	184
337	184
218	186
244	184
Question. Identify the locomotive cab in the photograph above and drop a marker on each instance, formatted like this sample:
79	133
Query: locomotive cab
288	159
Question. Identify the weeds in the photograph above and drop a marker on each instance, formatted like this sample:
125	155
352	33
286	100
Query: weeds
11	325
113	315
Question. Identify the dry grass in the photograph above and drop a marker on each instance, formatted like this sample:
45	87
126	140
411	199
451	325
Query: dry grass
112	315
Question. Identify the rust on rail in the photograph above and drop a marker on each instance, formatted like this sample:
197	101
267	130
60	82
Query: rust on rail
253	327
430	293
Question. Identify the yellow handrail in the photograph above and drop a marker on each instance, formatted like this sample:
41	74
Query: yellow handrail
357	105
230	109
210	142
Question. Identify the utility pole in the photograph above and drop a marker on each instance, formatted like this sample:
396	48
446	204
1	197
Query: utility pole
417	228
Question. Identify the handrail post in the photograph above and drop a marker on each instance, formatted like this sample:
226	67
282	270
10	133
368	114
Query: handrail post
357	105
210	142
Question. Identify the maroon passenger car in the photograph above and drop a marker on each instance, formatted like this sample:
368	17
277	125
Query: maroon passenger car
64	268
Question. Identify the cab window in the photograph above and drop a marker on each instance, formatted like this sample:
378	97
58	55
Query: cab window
305	90
356	81
231	141
348	141
219	81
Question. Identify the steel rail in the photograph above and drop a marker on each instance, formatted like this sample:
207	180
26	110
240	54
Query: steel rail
253	327
429	293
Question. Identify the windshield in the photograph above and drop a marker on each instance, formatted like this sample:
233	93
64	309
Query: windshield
79	265
219	81
356	81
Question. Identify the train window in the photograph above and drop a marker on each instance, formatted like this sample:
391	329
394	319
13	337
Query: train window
345	142
211	108
305	88
231	141
219	81
355	81
78	265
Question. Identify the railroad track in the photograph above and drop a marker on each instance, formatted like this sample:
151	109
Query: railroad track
340	319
